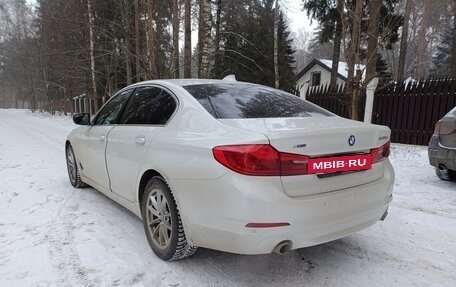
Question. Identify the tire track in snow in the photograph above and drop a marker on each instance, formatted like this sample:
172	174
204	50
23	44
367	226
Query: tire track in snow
40	138
65	259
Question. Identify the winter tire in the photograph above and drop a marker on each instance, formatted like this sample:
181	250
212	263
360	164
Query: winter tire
445	174
162	222
73	170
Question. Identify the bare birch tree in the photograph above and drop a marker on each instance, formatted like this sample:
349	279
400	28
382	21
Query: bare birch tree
151	39
92	57
205	38
137	40
217	56
403	45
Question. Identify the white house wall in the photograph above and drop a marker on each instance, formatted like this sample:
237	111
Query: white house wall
303	83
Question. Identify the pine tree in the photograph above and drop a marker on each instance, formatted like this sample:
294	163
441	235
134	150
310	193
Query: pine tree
286	59
248	47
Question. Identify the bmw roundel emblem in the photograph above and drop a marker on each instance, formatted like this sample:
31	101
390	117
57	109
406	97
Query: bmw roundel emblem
351	140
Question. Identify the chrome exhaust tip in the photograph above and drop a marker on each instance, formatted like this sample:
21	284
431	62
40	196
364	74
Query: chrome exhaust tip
283	247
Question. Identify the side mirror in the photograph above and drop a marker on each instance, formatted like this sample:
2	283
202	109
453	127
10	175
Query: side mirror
82	119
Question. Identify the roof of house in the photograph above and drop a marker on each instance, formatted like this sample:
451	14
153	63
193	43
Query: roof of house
342	71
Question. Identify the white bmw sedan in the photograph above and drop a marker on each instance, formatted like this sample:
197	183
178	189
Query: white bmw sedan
232	166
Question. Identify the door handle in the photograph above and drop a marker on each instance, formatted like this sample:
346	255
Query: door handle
140	140
102	138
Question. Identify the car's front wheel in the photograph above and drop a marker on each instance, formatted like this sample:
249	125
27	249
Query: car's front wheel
162	222
73	170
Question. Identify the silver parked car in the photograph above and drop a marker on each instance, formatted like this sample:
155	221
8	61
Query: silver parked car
442	147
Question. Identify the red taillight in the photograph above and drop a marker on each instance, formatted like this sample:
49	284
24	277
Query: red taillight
380	153
249	159
260	160
437	128
293	164
442	130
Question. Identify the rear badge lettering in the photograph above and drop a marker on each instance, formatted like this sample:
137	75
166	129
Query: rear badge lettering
300	146
339	164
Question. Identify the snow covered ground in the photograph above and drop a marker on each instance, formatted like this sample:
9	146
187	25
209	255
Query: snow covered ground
54	235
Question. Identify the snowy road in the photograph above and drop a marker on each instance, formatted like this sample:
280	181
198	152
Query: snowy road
54	235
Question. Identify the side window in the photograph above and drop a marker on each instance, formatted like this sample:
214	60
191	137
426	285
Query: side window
149	105
110	112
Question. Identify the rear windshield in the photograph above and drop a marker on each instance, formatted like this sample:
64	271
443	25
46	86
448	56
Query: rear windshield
244	101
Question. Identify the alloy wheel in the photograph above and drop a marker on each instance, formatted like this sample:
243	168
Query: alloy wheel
159	219
71	163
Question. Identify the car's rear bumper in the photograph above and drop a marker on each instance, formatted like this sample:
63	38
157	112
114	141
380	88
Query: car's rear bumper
215	212
440	155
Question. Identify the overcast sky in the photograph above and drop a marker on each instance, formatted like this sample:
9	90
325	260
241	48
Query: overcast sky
298	18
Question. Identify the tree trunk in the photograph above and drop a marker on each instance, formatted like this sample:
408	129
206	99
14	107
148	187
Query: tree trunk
337	42
200	35
372	40
137	43
126	22
353	59
175	66
276	45
151	39
453	48
188	41
205	38
403	45
109	87
92	57
422	41
217	59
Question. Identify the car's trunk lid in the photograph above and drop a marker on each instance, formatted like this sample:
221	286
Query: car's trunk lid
320	137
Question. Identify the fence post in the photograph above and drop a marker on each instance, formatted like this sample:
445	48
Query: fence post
370	91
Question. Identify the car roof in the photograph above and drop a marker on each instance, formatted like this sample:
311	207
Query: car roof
188	82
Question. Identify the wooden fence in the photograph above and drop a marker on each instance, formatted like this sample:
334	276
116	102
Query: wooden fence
335	100
410	110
